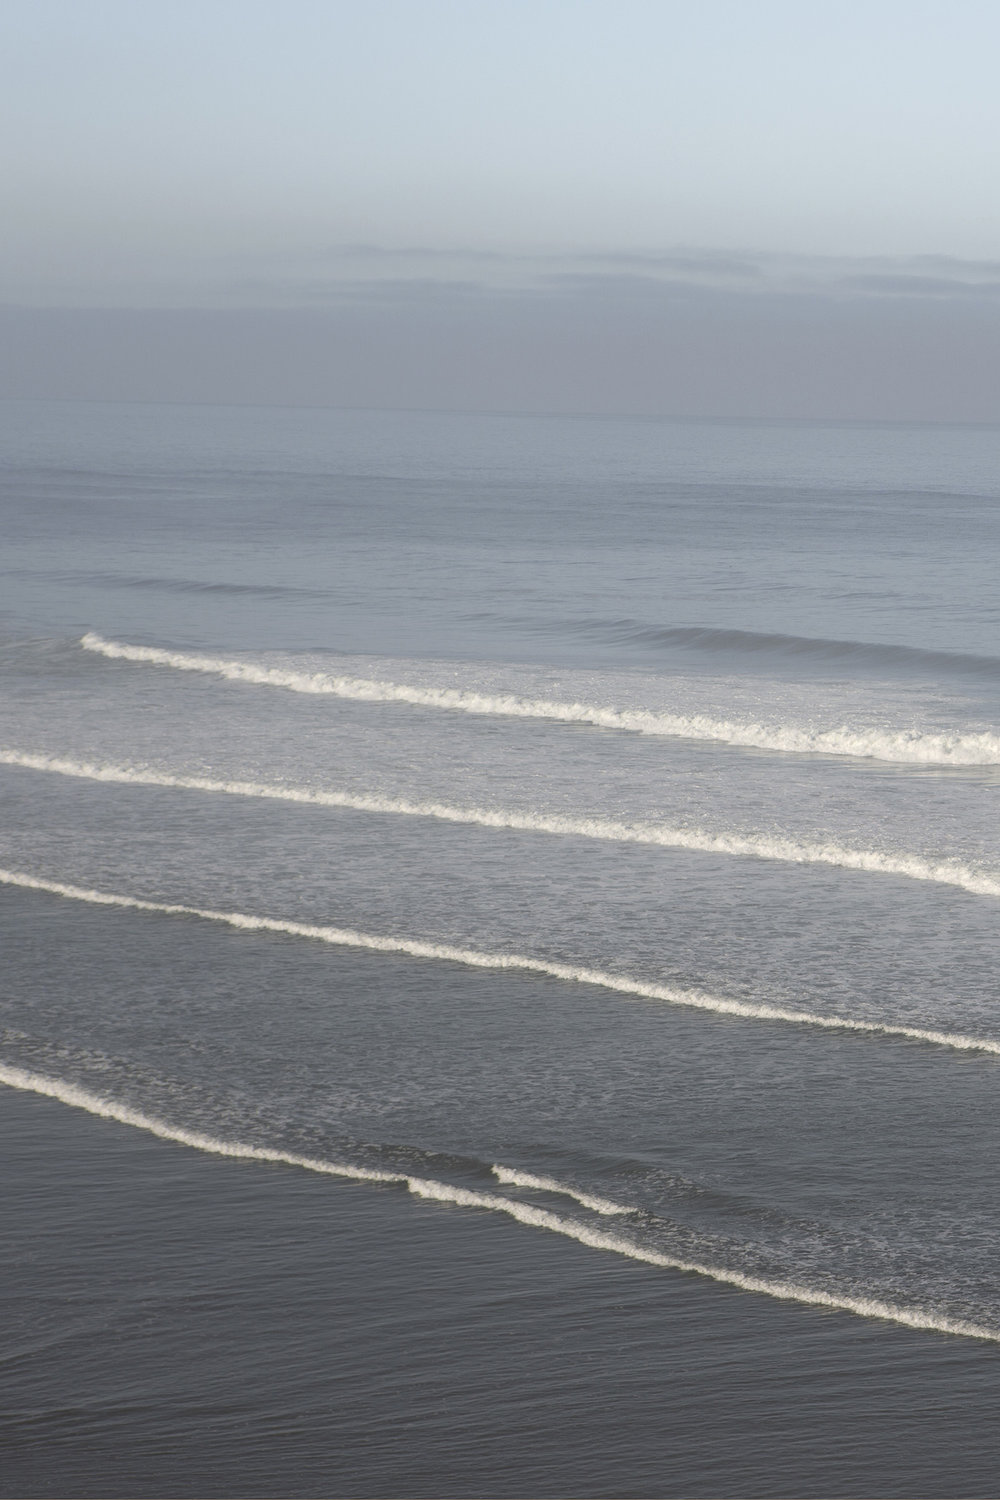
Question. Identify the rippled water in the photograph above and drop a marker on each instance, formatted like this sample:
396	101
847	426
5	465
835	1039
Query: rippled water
586	825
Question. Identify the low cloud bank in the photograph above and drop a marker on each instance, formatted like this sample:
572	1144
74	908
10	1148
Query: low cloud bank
681	334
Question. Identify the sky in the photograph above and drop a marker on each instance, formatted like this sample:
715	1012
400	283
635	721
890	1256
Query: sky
771	207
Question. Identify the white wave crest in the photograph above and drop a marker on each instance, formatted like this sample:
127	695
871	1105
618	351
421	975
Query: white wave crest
952	872
347	937
514	1177
522	1213
909	747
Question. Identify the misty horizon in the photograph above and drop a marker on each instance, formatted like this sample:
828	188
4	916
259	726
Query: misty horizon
783	212
673	334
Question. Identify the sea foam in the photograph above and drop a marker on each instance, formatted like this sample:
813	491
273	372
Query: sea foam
981	748
347	937
514	1177
953	872
523	1213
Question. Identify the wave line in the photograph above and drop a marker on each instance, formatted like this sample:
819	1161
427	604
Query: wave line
522	1213
976	749
745	846
514	1177
348	937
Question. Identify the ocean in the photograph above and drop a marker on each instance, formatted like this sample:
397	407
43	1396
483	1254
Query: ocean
500	957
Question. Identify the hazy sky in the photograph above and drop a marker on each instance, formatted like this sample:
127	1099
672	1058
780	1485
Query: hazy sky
761	160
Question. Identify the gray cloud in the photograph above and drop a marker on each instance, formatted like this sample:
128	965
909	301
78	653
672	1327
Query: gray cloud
901	285
336	274
964	267
364	271
568	342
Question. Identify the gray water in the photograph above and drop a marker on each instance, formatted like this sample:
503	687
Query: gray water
548	843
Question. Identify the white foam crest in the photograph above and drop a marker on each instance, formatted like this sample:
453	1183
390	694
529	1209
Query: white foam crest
744	846
598	1239
909	747
514	1177
522	1213
108	1109
347	937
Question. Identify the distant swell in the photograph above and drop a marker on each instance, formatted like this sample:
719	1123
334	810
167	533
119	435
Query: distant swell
447	953
76	576
752	846
977	749
872	654
523	1213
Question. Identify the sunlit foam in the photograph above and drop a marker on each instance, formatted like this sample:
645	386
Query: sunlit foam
524	1213
912	747
347	937
513	1177
739	845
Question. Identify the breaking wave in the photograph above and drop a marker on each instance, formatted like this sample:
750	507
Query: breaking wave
751	846
908	747
523	1213
348	937
514	1177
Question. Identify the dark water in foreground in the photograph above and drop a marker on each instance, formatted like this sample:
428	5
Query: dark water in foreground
177	1326
499	927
